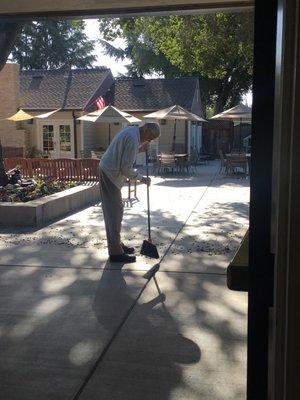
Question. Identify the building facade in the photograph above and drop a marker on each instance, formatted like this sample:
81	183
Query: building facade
75	92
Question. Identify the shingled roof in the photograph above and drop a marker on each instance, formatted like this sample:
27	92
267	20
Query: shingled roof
72	89
152	94
66	89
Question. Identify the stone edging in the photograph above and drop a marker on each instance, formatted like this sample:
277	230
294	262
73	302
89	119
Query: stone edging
40	211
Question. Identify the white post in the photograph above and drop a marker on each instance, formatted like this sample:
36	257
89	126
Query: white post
189	138
199	137
82	147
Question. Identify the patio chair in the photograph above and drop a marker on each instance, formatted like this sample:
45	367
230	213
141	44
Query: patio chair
203	157
183	164
155	164
167	163
237	162
224	163
197	159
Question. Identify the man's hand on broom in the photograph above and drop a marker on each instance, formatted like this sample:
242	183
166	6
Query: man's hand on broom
144	146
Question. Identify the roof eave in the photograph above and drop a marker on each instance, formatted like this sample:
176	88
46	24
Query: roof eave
147	110
50	109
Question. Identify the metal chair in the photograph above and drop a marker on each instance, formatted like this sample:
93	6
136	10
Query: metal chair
224	163
97	154
167	162
237	162
183	164
194	160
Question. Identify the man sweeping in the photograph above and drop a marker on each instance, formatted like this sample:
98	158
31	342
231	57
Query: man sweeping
115	166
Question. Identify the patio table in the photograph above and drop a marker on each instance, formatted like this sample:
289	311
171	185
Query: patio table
180	155
248	155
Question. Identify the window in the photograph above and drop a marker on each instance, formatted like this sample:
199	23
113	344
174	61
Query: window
65	137
48	134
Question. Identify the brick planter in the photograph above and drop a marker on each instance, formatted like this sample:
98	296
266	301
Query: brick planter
41	211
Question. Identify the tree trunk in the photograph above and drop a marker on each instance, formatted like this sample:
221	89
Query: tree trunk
3	175
9	33
223	96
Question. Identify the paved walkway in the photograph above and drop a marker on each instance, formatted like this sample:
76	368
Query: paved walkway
74	326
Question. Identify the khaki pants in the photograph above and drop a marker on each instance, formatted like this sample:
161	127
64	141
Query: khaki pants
112	207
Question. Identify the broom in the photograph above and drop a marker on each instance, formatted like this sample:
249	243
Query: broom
148	248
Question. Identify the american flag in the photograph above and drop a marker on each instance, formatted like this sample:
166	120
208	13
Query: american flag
100	102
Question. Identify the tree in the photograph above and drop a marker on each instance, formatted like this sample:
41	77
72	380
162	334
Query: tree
217	48
9	33
54	44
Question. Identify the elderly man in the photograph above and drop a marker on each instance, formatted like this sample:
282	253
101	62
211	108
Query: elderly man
115	166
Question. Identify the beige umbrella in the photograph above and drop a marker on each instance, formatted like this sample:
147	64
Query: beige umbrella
239	113
174	113
22	115
109	114
47	114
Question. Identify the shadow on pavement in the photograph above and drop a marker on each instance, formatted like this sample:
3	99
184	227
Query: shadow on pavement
145	359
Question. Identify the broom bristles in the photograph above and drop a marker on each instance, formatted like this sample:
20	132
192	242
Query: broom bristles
149	249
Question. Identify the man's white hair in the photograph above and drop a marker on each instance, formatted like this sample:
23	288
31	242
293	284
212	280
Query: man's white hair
152	126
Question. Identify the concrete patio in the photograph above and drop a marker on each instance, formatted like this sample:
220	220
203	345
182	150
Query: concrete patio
74	326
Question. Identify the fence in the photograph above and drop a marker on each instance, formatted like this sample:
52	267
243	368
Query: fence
64	169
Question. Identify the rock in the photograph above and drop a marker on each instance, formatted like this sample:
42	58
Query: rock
9	186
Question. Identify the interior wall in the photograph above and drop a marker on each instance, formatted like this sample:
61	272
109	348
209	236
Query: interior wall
285	382
92	7
261	260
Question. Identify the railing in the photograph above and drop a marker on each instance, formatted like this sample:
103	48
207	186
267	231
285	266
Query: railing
64	169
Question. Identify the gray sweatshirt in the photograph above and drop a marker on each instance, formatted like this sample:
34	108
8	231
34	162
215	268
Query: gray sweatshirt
117	162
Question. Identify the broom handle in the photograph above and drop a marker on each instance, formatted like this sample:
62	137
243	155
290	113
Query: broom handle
148	198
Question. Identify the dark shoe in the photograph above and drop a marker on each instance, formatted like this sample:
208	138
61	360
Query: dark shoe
122	258
127	250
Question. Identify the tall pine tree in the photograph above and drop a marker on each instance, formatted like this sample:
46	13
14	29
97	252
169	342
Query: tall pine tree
54	44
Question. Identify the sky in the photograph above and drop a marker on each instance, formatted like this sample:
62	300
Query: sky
119	67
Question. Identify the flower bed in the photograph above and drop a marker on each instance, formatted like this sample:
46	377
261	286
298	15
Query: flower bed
32	189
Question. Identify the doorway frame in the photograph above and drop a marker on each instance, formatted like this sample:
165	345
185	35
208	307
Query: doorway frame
261	265
56	138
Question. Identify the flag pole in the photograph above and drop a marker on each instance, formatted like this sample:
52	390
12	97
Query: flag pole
75	134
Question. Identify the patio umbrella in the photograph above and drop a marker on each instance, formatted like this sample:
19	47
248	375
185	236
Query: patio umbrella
239	113
22	115
47	114
174	113
109	114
